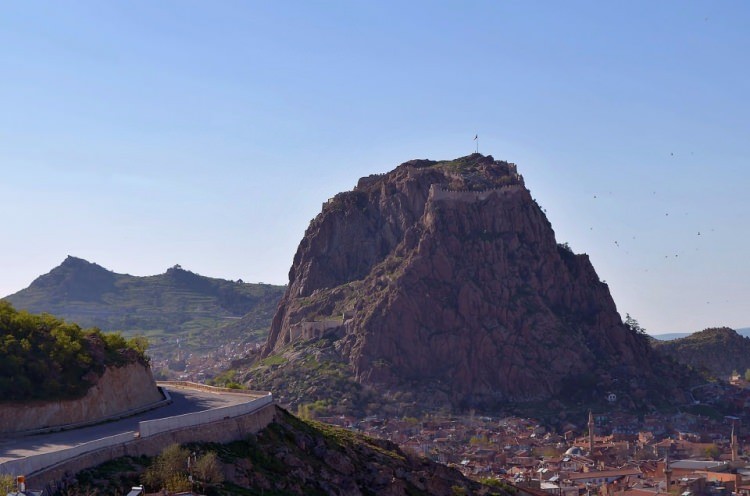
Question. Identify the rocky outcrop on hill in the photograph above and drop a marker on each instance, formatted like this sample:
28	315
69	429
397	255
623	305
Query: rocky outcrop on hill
447	275
118	391
720	351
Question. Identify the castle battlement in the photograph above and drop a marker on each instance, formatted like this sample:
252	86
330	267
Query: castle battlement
312	329
439	193
363	181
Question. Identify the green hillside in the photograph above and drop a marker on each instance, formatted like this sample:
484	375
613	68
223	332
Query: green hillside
46	358
178	304
719	350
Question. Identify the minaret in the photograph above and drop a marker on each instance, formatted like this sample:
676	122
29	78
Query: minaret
733	444
591	433
667	471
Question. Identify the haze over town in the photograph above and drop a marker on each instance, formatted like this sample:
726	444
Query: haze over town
143	135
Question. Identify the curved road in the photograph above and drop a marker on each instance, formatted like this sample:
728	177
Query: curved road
183	401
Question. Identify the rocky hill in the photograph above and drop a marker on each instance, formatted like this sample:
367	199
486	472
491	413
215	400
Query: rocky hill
176	304
295	457
719	350
445	278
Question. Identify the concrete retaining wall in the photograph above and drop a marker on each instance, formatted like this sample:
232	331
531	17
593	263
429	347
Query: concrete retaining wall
31	464
211	389
222	431
151	427
217	425
119	389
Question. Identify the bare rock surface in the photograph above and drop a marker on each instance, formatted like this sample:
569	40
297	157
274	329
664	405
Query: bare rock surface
448	275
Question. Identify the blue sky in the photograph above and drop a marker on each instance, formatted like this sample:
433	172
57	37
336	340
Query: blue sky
143	134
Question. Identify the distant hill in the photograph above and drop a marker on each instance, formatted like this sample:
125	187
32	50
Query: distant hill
670	336
719	350
164	307
743	331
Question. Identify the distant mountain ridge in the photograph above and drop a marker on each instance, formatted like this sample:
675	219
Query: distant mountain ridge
175	303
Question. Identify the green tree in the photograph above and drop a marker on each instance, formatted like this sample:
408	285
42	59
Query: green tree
47	358
168	469
712	452
208	469
634	325
139	343
7	483
177	483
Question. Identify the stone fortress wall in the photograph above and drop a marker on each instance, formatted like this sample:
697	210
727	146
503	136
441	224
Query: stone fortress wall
442	194
312	329
438	193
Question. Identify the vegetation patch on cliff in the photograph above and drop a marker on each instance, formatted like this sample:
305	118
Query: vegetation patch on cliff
46	358
312	378
718	352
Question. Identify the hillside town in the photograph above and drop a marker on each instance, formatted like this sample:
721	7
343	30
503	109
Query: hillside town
611	454
695	451
197	367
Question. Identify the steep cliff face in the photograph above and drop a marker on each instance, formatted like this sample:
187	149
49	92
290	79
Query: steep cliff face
448	273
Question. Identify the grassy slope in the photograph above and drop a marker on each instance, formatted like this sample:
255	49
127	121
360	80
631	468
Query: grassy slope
163	307
719	350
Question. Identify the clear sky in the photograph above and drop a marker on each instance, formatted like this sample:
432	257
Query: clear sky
143	134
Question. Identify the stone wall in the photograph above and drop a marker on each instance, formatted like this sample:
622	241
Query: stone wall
312	329
439	193
119	390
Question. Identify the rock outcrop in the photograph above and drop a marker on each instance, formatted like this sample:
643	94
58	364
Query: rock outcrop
118	391
448	275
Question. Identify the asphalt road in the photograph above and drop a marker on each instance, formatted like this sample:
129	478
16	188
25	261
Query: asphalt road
183	401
